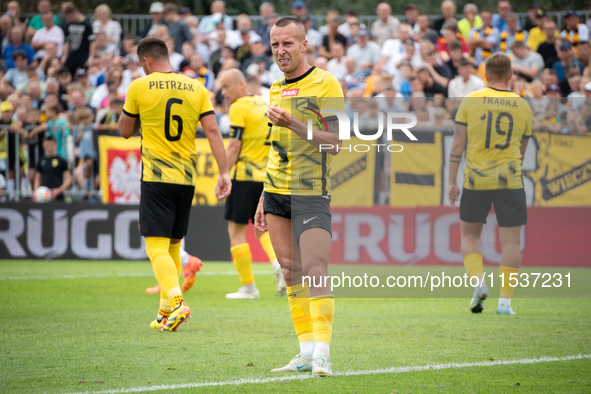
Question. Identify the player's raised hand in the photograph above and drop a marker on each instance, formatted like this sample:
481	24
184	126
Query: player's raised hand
453	193
223	187
260	220
279	117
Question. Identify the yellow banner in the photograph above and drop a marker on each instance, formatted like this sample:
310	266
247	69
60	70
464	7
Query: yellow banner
120	171
563	170
415	177
352	175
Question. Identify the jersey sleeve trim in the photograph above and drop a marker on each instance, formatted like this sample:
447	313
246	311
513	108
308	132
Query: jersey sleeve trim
206	114
526	136
132	115
236	132
461	123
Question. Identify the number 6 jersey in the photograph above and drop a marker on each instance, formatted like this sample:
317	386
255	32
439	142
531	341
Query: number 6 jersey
169	106
496	121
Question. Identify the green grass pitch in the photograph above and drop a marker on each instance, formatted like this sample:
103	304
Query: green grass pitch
87	334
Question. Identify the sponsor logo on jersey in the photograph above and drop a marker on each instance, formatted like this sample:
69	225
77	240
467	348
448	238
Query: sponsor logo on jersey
290	92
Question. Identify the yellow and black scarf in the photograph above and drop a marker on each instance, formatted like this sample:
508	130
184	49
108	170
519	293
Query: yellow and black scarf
519	36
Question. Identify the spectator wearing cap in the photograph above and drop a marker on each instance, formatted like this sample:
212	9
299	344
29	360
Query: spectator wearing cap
218	13
424	31
52	170
386	26
17	43
485	40
104	23
470	20
466	82
532	17
565	54
313	36
79	37
365	52
527	63
50	33
448	12
333	35
185	12
36	22
299	9
156	18
64	78
512	34
82	77
536	35
575	32
500	20
548	47
336	65
394	51
178	29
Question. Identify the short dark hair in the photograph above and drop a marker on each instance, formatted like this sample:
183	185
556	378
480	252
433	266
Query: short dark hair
70	8
454	46
152	47
170	7
465	62
288	20
498	67
517	44
55	108
18	54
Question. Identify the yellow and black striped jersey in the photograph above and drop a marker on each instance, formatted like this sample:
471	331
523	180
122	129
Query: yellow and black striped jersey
496	121
296	167
169	106
249	124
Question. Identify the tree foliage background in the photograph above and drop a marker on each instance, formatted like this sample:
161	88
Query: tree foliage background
234	7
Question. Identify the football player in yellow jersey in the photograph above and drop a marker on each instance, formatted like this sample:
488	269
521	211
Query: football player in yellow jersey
247	155
295	207
496	125
167	107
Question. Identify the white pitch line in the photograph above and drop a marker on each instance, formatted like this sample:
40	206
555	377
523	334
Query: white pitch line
349	373
120	275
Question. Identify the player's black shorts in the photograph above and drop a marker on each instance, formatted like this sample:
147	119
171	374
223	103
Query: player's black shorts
509	204
165	209
305	212
242	203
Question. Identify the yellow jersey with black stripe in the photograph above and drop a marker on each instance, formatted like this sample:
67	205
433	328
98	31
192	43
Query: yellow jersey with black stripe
496	122
249	124
169	106
296	167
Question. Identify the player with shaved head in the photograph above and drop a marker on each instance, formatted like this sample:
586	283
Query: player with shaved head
295	207
247	155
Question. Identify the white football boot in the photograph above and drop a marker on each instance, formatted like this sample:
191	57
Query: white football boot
480	294
321	367
300	363
243	294
279	280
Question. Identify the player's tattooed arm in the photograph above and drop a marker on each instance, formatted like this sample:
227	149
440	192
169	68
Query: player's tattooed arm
455	158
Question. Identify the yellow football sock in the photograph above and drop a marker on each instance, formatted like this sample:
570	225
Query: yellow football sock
242	261
298	297
473	265
175	253
164	306
506	289
265	241
164	267
322	311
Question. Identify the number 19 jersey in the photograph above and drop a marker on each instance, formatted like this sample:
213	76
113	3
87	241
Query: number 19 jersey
169	106
496	121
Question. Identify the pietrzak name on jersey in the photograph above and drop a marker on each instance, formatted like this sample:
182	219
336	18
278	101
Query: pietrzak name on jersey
290	92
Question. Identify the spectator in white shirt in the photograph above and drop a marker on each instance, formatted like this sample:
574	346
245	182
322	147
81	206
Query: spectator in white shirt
394	51
337	65
366	53
175	58
386	26
527	63
351	24
466	82
313	36
49	33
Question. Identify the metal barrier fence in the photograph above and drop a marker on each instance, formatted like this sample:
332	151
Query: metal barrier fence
22	158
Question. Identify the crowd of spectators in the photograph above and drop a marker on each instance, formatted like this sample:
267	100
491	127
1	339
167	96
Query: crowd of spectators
65	78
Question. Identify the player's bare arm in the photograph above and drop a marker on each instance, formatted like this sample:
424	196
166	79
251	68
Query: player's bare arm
523	148
129	125
260	220
282	118
216	143
455	158
233	151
